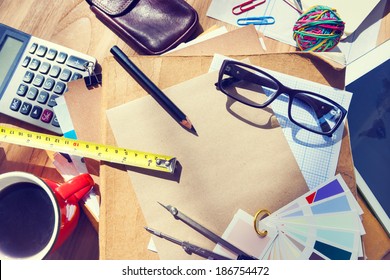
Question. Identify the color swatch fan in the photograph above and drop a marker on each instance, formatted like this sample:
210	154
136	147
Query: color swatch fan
324	223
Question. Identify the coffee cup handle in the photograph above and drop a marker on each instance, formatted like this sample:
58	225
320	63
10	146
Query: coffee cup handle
76	187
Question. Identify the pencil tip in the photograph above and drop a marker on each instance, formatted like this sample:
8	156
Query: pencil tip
194	131
188	125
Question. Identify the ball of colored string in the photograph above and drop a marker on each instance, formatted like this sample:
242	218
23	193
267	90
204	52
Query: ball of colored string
318	29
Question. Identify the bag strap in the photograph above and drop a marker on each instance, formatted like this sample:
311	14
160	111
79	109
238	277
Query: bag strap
112	7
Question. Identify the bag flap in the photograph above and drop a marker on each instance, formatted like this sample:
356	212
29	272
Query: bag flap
113	7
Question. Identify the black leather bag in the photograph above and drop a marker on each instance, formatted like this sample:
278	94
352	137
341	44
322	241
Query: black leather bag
148	26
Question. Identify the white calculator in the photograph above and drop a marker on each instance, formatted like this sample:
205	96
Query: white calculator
33	73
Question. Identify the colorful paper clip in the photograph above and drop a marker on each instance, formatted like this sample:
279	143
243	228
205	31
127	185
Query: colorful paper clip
266	20
246	6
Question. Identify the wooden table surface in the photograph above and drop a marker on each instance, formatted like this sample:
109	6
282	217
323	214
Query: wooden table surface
72	24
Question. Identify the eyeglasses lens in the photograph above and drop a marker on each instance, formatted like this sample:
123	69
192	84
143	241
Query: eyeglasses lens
315	113
247	85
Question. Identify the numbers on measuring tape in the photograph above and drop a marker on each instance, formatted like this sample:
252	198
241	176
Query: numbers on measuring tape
88	149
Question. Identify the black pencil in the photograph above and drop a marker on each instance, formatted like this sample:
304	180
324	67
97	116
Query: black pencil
152	89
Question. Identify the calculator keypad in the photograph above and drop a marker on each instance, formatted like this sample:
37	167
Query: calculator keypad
47	69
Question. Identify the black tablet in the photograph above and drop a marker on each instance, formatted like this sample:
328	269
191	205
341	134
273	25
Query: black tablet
368	78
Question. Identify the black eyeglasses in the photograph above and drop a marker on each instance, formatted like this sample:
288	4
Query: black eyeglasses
256	88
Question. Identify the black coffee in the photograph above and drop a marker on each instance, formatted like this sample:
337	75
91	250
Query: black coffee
26	220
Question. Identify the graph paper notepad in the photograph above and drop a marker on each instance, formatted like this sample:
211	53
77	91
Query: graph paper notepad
316	155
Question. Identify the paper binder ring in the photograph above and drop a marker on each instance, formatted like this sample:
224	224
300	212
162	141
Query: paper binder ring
259	216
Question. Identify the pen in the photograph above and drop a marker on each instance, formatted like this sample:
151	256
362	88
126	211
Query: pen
152	89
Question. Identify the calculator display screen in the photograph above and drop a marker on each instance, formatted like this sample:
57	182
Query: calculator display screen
8	53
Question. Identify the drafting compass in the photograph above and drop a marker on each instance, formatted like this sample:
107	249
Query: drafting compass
190	248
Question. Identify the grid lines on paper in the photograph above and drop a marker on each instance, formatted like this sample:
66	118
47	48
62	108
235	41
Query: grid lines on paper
316	155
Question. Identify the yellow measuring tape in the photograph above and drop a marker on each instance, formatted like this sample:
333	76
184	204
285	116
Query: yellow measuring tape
88	149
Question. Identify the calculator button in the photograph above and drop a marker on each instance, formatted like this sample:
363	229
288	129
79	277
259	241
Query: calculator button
46	116
41	51
28	77
52	100
38	80
45	67
36	112
26	61
26	108
22	90
55	71
43	96
65	75
51	55
76	76
15	104
61	58
33	48
59	88
49	84
35	64
55	122
77	62
32	93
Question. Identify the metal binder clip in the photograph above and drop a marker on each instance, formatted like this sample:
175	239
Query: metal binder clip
246	6
93	79
266	20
